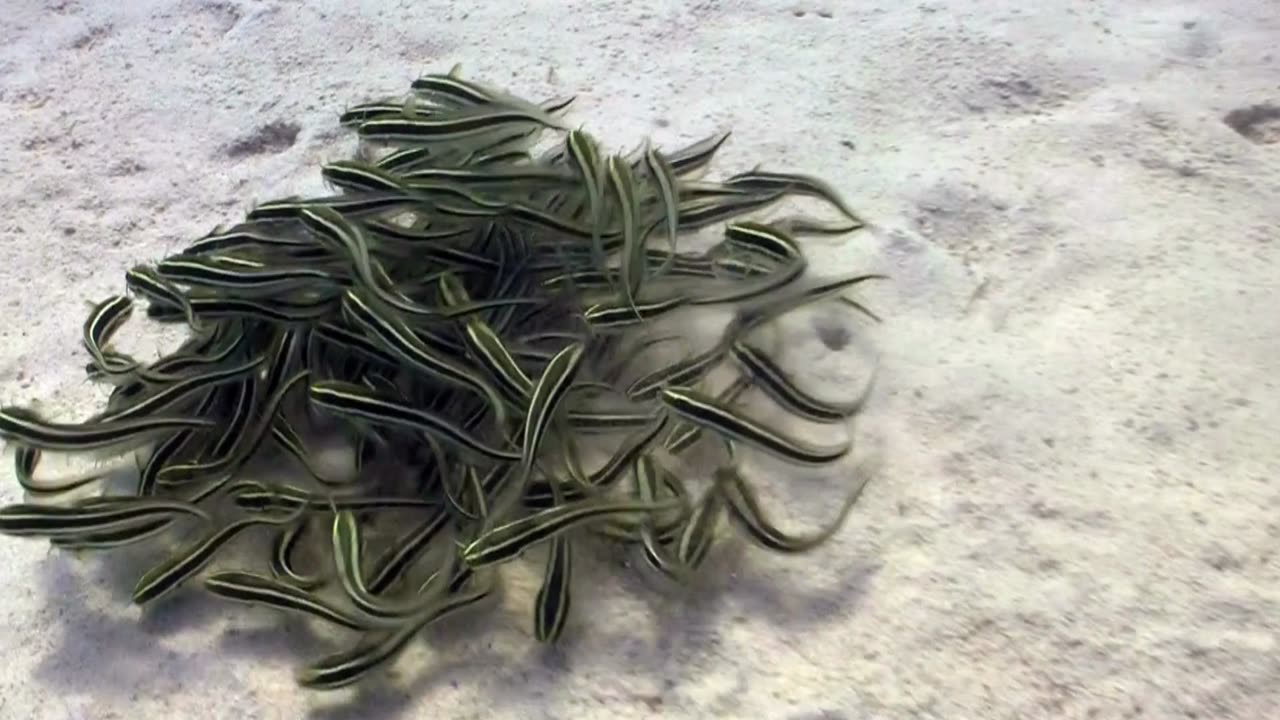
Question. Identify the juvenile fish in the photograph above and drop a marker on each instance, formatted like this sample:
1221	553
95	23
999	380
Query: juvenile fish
770	378
344	668
696	156
747	512
453	126
26	427
359	403
669	193
87	518
398	338
104	320
705	411
165	577
613	316
508	541
213	273
347	553
632	269
259	590
551	606
762	181
544	401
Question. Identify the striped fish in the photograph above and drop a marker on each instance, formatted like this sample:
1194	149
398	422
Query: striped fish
708	413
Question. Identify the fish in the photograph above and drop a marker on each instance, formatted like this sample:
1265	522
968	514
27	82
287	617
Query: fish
452	126
756	288
747	512
696	156
255	589
357	114
246	445
218	274
347	667
682	372
544	401
511	539
360	177
253	495
697	213
632	269
113	536
552	603
275	310
699	531
24	426
159	292
645	473
171	395
25	460
487	346
251	236
401	342
705	411
105	318
753	316
282	558
769	377
584	153
26	519
636	446
168	575
669	192
355	402
766	240
348	205
347	553
612	316
757	180
685	434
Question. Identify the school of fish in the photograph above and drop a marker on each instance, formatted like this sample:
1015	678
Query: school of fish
469	310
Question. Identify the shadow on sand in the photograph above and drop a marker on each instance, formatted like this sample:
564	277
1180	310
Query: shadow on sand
106	645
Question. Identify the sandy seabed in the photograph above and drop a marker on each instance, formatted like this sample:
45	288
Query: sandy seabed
1075	511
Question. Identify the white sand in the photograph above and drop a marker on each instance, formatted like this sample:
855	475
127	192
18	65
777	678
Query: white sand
1076	513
